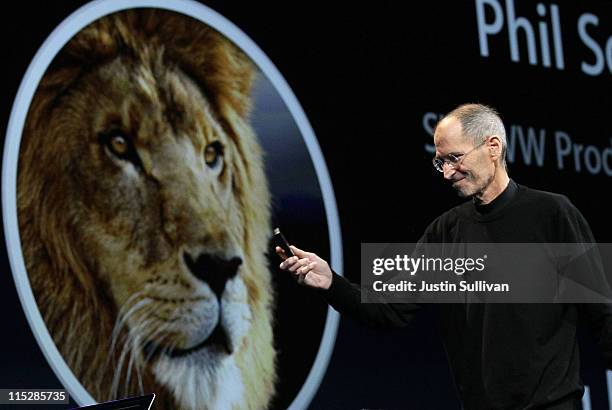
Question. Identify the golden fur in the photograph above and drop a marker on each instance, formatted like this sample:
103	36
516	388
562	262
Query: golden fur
105	236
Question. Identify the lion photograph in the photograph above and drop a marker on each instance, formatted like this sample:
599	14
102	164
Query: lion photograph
144	214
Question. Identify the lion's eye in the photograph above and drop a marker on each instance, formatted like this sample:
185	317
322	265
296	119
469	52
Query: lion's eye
213	153
120	146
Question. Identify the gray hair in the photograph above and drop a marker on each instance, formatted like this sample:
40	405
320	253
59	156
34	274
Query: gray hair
478	121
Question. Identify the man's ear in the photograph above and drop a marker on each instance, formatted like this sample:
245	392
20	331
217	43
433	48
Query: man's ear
494	145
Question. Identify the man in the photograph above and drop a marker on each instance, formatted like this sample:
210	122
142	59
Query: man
503	356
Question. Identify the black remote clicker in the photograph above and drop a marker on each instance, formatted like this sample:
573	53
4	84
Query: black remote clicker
279	240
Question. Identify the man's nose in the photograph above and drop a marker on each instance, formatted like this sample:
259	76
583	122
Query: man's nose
449	170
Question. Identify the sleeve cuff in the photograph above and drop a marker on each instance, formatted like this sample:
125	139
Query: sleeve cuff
339	287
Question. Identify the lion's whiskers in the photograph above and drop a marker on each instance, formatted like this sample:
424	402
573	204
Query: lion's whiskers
127	348
143	306
135	342
156	346
135	339
145	339
119	323
126	311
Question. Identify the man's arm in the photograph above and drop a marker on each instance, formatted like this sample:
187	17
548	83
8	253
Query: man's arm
345	297
312	271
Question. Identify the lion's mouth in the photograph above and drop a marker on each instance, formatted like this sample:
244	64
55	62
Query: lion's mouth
217	342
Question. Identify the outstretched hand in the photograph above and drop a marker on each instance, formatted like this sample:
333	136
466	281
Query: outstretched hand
308	268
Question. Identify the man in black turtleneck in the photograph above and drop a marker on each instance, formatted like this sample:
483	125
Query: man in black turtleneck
503	356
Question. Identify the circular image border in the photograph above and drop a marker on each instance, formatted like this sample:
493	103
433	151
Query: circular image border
69	27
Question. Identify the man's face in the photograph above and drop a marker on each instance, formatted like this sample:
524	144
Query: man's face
475	171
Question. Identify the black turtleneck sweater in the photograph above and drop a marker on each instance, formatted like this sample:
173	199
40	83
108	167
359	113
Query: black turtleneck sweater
503	356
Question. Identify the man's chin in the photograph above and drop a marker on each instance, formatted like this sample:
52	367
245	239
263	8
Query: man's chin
461	190
462	194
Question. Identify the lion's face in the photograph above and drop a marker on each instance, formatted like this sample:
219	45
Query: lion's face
161	215
156	189
161	207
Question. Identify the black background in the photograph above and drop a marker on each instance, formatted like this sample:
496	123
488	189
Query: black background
365	76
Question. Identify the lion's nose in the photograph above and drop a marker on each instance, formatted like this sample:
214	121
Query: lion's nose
212	269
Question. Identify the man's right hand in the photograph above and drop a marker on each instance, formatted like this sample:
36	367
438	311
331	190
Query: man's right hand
308	268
